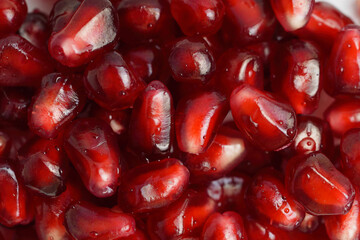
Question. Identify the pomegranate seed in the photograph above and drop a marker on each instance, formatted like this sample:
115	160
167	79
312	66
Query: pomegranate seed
226	151
242	16
147	62
14	103
309	224
238	66
91	30
50	213
143	19
342	115
267	197
345	227
58	101
325	23
111	83
18	138
35	29
43	166
149	187
14	201
117	120
343	73
21	63
350	154
197	119
313	135
85	221
229	191
151	124
191	60
62	12
12	15
92	149
228	225
183	218
318	185
293	14
5	143
296	75
198	17
267	122
261	231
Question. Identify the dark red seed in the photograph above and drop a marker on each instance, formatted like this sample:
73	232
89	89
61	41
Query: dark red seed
12	15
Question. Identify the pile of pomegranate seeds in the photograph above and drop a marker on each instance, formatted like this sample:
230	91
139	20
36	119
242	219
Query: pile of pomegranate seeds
179	120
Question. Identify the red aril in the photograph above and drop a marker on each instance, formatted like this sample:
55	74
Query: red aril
350	155
248	21
154	185
293	14
226	151
62	12
14	103
22	64
198	116
56	103
296	74
151	126
309	224
202	17
257	230
93	150
36	29
238	66
266	122
12	15
269	200
315	182
228	225
91	30
86	221
111	83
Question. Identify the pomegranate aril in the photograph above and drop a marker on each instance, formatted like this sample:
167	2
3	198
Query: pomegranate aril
229	191
14	201
266	122
342	68
228	225
5	143
342	115
350	155
12	15
191	60
242	16
226	151
203	17
183	218
313	134
43	166
62	12
92	148
325	23
111	83
147	62
22	64
140	20
36	29
151	126
18	138
296	74
269	200
293	14
50	213
197	119
318	185
90	31
261	231
56	103
14	103
86	221
309	224
238	66
149	187
345	227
